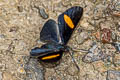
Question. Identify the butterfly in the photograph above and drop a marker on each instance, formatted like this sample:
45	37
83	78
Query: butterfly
56	35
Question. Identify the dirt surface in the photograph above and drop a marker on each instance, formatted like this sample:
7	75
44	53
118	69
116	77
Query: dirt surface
21	22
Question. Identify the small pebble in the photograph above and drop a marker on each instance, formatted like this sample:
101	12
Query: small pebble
117	60
93	47
97	35
20	8
117	46
117	6
13	29
113	75
118	38
114	37
106	35
82	37
94	54
33	67
118	28
22	70
43	14
0	75
2	36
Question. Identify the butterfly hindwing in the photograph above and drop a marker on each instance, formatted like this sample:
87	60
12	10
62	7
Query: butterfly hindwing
52	57
50	32
48	52
47	55
67	22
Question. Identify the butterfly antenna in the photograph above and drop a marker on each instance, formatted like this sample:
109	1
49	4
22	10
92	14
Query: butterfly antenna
71	54
81	50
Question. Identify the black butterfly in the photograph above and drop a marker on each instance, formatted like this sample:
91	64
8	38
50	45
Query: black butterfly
56	35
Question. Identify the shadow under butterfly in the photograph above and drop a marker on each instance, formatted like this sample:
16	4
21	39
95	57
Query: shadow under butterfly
56	36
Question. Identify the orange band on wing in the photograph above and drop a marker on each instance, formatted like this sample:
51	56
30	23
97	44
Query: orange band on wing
68	21
50	57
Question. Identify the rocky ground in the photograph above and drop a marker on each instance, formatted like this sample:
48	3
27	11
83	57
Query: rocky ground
98	33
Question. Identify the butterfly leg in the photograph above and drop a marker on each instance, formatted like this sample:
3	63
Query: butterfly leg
71	54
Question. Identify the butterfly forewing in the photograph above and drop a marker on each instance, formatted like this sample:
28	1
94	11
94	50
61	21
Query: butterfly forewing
39	52
67	22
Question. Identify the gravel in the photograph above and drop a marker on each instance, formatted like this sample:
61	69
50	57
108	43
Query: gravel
21	22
